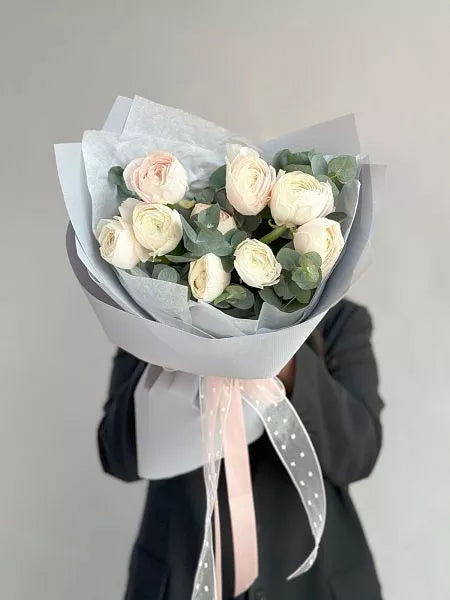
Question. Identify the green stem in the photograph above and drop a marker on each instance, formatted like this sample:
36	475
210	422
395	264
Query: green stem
274	234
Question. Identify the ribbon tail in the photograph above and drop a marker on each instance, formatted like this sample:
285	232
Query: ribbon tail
240	495
293	445
215	395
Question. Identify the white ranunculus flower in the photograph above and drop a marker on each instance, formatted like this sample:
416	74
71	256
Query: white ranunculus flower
157	178
207	277
256	264
249	180
298	197
226	222
157	227
118	245
126	209
323	236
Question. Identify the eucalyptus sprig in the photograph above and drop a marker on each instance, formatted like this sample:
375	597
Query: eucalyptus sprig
337	171
115	177
202	237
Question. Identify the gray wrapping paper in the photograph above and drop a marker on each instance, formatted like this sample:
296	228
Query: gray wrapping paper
194	338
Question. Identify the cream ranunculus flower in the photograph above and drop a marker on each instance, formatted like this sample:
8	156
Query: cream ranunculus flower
249	180
118	245
256	264
207	277
158	178
226	222
323	236
298	197
157	227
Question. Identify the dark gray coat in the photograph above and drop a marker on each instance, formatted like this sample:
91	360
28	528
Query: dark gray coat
335	394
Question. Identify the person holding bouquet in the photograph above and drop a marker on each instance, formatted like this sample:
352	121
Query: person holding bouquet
332	382
218	269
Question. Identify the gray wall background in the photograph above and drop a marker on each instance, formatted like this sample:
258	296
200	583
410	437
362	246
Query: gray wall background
260	68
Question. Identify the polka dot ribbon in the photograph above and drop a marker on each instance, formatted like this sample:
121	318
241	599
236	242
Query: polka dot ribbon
224	435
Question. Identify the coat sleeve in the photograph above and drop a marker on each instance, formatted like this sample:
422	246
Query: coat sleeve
116	432
337	397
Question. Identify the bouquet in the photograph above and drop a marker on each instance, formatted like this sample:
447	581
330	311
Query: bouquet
213	260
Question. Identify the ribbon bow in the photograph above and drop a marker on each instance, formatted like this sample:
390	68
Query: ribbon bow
224	435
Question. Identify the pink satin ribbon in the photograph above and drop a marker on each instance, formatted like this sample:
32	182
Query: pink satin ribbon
240	493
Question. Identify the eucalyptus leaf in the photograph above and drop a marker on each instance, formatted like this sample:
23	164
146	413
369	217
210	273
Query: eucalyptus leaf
292	306
139	270
205	196
304	296
334	187
268	295
188	230
221	304
303	168
240	314
337	216
298	158
190	246
209	217
184	271
178	250
250	223
319	165
294	289
218	178
227	263
221	198
236	291
282	288
221	299
115	175
231	292
313	258
344	168
244	304
288	258
240	297
257	305
306	278
169	274
180	259
157	268
211	240
281	159
186	212
239	219
265	213
237	238
124	193
229	234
